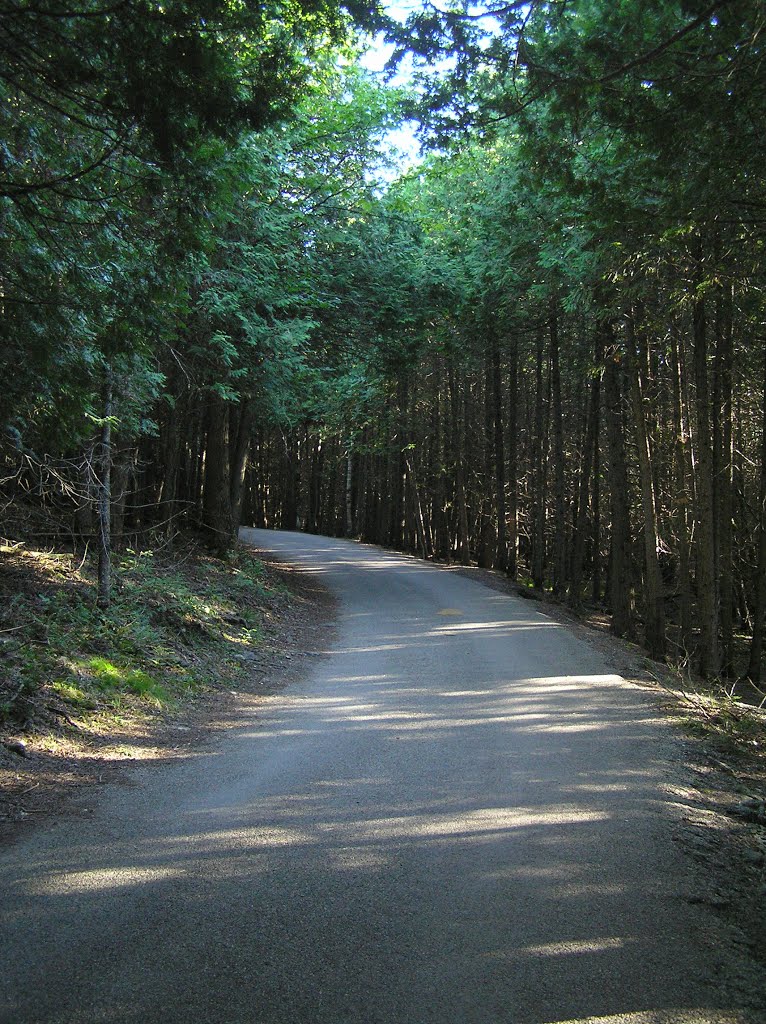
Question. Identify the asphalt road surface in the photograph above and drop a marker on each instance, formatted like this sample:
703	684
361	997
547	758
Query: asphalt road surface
457	816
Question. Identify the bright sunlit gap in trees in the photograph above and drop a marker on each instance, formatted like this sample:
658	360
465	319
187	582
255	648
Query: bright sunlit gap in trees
449	45
401	145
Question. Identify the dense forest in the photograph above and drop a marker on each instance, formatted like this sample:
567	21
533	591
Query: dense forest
541	349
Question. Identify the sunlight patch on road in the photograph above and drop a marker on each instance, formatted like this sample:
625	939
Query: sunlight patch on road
589	726
676	1015
561	684
359	858
407	827
102	880
487	819
462	693
501	629
575	946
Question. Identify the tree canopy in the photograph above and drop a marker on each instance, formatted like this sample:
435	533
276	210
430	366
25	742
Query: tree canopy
542	348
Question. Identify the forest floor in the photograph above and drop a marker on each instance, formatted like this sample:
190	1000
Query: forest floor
190	637
85	696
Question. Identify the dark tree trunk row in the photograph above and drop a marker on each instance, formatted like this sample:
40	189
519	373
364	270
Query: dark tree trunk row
603	462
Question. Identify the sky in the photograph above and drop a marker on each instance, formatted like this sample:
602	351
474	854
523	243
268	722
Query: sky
402	141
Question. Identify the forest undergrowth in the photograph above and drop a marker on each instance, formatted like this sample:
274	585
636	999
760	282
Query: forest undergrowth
80	686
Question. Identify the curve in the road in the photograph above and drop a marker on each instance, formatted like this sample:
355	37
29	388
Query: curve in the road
460	815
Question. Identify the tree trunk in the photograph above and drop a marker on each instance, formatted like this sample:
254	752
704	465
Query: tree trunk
589	445
559	487
759	609
315	484
439	457
293	497
596	506
385	475
654	598
513	448
538	497
349	491
87	493
683	495
501	550
105	495
197	431
417	511
171	445
216	499
239	458
487	536
463	546
707	609
362	489
398	469
724	480
619	560
123	458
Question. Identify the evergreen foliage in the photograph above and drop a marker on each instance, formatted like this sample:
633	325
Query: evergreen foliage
541	349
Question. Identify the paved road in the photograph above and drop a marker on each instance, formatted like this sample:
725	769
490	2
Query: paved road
458	817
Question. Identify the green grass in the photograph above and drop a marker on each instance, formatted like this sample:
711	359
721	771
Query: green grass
109	677
173	629
76	696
